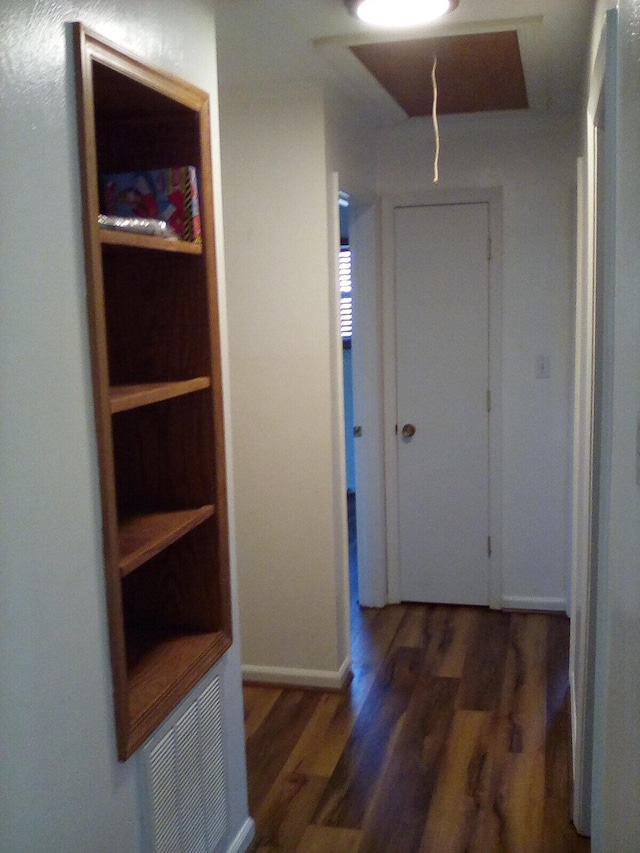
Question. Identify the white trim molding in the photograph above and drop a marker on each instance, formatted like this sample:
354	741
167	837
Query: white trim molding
243	839
321	678
522	602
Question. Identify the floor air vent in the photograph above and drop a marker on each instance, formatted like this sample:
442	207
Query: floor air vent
186	780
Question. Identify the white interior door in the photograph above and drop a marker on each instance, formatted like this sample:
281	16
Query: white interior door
442	373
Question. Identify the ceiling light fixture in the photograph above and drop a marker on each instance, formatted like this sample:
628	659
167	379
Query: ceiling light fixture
399	13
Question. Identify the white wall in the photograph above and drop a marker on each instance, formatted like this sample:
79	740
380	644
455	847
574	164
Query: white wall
615	811
62	787
533	160
350	146
282	312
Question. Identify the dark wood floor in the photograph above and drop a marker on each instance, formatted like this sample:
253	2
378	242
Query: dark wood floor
453	736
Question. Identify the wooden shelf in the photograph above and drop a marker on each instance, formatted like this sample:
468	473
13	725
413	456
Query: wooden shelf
124	397
143	536
153	315
144	241
163	666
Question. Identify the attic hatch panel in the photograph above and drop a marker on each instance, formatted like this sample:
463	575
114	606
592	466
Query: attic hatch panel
476	73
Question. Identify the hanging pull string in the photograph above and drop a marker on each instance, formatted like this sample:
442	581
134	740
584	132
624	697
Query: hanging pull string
436	127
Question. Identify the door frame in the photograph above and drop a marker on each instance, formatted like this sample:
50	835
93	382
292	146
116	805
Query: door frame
593	408
493	198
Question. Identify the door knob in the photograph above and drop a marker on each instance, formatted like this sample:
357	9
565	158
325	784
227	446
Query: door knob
408	431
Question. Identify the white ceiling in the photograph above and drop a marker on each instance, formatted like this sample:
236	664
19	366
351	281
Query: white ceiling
262	41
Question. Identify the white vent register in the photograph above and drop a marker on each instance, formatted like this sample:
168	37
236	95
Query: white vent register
185	776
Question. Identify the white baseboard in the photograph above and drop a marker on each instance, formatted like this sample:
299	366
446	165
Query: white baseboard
244	837
517	602
324	679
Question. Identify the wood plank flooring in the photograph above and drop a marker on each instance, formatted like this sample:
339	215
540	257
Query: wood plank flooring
453	736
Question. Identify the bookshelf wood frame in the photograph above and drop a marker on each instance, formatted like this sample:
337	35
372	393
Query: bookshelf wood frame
157	384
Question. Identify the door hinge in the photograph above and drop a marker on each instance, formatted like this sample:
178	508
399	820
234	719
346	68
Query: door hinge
357	432
488	399
488	546
489	248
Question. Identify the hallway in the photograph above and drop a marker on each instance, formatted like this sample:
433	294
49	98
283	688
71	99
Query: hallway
453	736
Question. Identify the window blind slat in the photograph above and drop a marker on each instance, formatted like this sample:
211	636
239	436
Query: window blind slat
346	297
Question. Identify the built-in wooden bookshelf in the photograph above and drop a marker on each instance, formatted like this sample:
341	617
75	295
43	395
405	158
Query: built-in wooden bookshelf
153	320
142	241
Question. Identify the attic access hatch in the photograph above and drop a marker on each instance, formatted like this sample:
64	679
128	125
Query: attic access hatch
477	72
